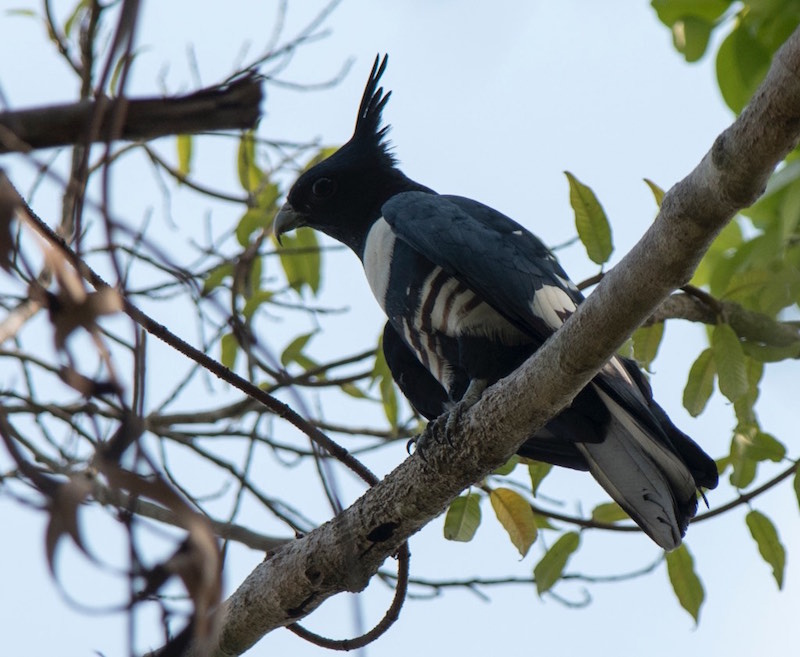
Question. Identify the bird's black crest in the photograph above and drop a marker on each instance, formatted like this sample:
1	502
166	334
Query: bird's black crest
368	129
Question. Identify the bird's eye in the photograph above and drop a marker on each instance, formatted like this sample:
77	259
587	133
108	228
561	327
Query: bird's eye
323	187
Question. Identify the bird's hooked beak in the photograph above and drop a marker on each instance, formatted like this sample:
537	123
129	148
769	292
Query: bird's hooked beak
287	219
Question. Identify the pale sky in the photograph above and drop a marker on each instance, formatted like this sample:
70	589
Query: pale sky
492	101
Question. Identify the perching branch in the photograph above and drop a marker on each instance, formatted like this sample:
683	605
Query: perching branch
346	552
231	106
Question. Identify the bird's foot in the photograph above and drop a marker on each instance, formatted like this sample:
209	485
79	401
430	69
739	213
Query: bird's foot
444	427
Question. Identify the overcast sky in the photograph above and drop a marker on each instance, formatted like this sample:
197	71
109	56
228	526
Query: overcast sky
493	101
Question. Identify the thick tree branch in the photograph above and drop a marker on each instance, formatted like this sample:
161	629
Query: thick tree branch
232	106
344	553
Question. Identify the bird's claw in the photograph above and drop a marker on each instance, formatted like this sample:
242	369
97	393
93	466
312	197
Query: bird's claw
445	427
442	429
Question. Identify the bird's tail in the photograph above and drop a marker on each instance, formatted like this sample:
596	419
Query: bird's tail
643	475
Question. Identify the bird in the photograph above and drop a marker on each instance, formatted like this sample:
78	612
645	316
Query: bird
469	295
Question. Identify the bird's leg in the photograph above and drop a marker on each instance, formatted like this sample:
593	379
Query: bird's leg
470	397
446	424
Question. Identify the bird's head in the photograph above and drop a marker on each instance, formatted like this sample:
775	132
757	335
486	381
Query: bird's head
342	195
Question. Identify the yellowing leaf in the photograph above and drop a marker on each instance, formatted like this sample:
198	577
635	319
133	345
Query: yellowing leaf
184	144
548	571
769	544
590	220
700	383
515	514
463	518
685	582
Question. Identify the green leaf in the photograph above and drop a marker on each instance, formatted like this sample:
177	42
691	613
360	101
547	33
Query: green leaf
251	221
700	383
548	571
508	467
250	175
658	193
685	582
671	11
744	405
609	513
750	446
229	347
590	220
718	254
690	37
765	447
626	349
742	62
76	17
121	64
294	351
301	260
382	374
353	390
744	468
463	518
730	362
261	215
248	276
646	341
255	301
217	276
538	471
769	544
797	486
542	522
27	13
389	400
184	145
515	514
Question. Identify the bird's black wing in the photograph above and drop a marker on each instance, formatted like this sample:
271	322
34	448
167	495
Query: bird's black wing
507	267
502	262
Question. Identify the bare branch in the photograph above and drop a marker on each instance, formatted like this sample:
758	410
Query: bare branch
232	106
